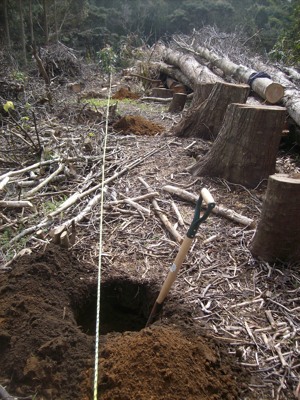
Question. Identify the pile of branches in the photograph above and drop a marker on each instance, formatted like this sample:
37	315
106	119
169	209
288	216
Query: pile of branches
60	61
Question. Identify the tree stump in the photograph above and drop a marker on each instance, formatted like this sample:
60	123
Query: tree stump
246	147
162	92
201	93
205	119
278	233
177	103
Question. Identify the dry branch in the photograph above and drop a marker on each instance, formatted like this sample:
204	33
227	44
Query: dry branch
162	216
157	99
218	210
77	196
15	204
29	168
4	182
45	181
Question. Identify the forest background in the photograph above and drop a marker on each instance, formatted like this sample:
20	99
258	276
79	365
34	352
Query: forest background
271	27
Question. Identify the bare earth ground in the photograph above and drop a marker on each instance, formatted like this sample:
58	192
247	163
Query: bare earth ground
230	326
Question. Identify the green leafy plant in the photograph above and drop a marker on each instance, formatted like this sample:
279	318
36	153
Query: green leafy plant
18	76
107	59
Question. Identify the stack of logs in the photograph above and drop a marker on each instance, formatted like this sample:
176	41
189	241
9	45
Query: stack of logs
245	139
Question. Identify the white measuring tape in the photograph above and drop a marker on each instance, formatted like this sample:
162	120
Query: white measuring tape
100	249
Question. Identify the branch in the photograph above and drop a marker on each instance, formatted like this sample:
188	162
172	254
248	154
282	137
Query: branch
162	216
218	210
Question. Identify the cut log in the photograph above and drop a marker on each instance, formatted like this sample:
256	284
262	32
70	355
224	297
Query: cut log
190	67
205	119
291	99
170	70
262	85
162	93
175	86
178	102
278	233
246	147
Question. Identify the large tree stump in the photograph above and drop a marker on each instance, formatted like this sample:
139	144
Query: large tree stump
178	102
201	93
205	119
162	92
246	147
278	233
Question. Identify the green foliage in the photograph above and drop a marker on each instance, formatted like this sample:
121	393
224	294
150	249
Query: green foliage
107	59
92	24
18	76
287	48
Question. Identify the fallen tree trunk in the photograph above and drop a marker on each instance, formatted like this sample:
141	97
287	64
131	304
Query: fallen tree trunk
190	67
260	83
204	120
291	98
173	72
278	232
246	147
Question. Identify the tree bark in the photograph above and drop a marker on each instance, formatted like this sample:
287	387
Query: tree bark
174	72
7	31
162	92
177	103
55	22
246	147
204	120
264	87
45	15
22	31
278	233
201	93
31	23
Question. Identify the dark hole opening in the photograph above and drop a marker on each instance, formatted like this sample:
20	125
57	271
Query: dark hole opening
124	306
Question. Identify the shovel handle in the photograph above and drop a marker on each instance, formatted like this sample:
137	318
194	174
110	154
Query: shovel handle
206	196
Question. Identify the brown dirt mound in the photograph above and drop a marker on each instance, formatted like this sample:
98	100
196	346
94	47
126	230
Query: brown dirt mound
164	363
41	348
124	93
137	125
44	352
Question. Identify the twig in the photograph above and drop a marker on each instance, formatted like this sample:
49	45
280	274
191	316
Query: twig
29	168
45	181
162	216
15	204
178	215
4	182
77	196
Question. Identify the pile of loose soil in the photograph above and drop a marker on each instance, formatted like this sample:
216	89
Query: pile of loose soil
135	124
165	363
43	351
124	93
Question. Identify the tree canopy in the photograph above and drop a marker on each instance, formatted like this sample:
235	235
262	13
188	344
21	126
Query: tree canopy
91	24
